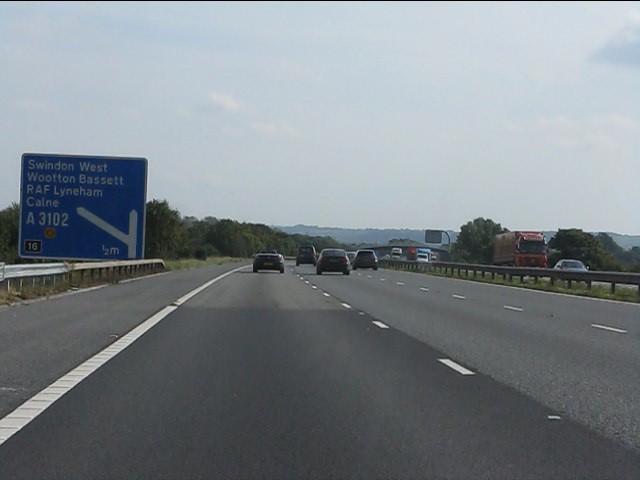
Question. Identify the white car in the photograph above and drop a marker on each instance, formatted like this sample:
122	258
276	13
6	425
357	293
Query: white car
422	257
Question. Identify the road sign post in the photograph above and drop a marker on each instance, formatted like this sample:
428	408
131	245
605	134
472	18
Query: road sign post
439	241
77	207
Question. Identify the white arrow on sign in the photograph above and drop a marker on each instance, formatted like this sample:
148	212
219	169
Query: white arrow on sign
128	239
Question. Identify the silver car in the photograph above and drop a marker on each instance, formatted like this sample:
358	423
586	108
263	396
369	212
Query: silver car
570	265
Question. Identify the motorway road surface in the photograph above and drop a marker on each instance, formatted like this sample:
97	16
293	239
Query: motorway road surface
373	375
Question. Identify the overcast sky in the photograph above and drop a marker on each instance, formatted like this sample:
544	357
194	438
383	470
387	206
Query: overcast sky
355	115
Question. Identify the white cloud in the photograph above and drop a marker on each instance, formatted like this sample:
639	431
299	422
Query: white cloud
559	122
609	132
614	122
29	105
224	101
131	112
272	129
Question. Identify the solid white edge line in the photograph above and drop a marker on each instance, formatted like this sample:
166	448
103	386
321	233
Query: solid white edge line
206	285
458	368
25	413
380	324
610	329
21	416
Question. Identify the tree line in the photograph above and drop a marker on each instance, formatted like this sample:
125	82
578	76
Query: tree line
475	242
170	236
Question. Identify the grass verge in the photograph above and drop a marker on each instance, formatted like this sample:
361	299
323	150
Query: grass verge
45	291
194	263
623	293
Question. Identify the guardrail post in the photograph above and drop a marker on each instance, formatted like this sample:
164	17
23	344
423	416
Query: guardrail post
613	287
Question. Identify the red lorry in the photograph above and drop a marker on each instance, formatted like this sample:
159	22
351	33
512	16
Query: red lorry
520	249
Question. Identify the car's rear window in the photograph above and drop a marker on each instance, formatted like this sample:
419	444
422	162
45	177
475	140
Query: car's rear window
573	265
365	254
305	250
334	253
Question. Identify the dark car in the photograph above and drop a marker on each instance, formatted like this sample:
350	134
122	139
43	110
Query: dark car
268	260
365	259
306	255
333	260
570	265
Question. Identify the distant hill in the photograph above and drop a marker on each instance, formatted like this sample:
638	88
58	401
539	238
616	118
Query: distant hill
377	236
358	236
625	241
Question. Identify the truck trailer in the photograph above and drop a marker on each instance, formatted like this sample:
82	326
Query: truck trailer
520	249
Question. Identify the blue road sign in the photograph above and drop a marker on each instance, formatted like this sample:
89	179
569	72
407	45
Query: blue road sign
77	207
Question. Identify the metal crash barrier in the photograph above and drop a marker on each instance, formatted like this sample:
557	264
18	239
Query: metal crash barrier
17	277
508	273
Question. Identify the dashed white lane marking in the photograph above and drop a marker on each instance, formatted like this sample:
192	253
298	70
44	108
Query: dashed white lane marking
458	368
380	324
554	417
307	282
513	309
314	287
25	413
611	329
345	305
424	289
459	297
399	283
326	294
360	313
369	276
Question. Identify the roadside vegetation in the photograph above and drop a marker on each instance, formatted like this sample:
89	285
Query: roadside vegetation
170	236
624	293
45	291
187	263
475	242
189	242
